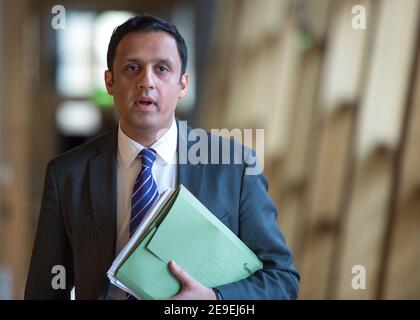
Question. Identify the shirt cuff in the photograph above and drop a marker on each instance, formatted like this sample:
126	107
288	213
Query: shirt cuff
218	294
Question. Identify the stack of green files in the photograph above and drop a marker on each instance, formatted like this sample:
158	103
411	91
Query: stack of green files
179	227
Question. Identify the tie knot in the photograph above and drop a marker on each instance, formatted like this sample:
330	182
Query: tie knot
148	157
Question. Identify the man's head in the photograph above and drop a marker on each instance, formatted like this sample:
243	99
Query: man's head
147	59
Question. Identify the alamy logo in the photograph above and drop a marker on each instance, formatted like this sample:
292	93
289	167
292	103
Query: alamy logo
58	281
59	20
358	281
358	22
195	148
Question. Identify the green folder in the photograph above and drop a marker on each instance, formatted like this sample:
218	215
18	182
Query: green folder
184	230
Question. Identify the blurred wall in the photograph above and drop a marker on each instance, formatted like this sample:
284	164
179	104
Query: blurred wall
16	144
339	106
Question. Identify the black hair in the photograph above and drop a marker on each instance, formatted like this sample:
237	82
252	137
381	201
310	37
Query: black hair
146	23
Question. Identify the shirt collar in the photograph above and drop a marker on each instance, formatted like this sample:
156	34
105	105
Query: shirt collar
165	146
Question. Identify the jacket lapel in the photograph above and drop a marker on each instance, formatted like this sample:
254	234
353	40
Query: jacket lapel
103	190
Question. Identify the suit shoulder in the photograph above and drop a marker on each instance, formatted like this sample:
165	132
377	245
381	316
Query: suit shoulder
220	147
220	137
227	140
86	150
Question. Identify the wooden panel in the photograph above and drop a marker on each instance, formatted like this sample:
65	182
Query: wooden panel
315	265
291	176
275	14
236	104
282	99
411	160
263	79
288	219
18	116
326	195
402	280
250	24
380	119
344	55
383	103
224	21
303	118
303	113
331	166
404	257
364	228
219	73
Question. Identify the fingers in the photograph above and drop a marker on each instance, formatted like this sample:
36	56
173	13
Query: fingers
181	275
191	288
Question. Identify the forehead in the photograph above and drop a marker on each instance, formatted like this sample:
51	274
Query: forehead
147	46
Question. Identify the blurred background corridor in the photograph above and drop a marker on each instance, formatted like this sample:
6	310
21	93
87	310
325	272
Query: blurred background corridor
335	84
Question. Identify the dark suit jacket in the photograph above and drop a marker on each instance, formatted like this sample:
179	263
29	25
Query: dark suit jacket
77	222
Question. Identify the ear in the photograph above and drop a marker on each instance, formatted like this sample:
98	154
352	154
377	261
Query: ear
109	82
184	85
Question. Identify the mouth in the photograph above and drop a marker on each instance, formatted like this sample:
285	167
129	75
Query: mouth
145	103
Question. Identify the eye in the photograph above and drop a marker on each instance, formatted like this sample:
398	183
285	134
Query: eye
162	68
132	67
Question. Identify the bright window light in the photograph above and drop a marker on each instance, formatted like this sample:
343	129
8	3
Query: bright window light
78	118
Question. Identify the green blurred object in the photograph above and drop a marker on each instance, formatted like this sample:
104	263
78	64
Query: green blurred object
304	40
102	99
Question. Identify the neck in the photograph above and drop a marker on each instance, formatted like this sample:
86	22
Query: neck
145	137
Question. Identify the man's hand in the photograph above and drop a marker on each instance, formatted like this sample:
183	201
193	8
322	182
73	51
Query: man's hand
191	289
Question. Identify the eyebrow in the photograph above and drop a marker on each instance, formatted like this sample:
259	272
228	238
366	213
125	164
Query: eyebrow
159	60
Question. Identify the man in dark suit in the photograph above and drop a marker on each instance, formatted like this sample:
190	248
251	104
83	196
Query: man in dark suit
87	209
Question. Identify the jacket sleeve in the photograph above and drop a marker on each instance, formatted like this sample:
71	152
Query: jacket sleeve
259	230
51	248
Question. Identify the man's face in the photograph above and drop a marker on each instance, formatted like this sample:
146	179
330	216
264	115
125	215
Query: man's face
145	82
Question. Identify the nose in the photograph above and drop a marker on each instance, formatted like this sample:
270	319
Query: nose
145	79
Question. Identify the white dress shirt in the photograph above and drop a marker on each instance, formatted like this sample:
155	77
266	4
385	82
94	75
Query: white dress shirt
164	172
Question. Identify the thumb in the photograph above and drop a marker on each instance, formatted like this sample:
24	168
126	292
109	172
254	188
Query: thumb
180	274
